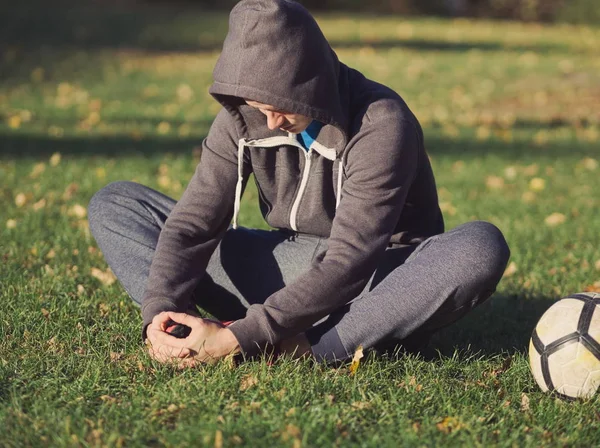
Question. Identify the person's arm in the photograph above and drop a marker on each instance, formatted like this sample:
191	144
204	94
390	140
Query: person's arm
196	225
381	165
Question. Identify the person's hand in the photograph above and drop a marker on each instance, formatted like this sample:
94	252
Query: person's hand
207	342
159	342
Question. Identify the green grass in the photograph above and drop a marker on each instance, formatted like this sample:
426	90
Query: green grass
122	94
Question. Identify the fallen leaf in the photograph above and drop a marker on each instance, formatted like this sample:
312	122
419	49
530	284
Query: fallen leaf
537	184
597	265
528	197
45	312
20	200
290	412
510	172
590	164
510	270
107	278
79	211
39	205
358	355
38	169
555	219
11	224
115	356
593	288
361	405
247	382
494	182
524	402
449	424
55	159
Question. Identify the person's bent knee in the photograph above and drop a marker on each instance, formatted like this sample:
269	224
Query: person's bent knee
487	248
101	204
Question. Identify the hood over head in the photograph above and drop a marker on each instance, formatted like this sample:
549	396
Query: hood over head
275	53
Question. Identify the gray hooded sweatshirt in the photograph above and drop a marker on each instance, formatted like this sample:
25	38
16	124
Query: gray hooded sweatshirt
365	183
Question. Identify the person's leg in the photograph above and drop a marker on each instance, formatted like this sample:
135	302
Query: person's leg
247	267
444	278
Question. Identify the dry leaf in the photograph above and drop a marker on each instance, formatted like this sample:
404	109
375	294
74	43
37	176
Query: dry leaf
55	159
597	265
290	412
511	269
494	182
510	172
247	382
107	398
79	211
528	197
11	224
590	164
449	424
361	405
358	355
38	169
106	278
39	205
20	200
593	288
524	402
115	356
537	184
45	312
555	219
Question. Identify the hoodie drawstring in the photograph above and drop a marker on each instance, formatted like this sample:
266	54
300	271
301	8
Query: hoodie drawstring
240	182
339	184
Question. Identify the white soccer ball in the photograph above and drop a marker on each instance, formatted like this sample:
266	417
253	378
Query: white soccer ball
564	351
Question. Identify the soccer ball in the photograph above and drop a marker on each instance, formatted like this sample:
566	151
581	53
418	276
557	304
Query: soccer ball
564	351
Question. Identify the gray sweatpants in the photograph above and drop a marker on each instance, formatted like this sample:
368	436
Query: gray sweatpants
414	291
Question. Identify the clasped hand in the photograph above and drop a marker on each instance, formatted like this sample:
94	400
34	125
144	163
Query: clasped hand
207	342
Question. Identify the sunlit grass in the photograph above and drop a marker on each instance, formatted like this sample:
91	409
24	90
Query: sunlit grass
512	128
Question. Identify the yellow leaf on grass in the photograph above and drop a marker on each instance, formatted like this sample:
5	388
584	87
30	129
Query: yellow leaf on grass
107	278
597	265
524	402
511	269
11	224
449	424
247	382
494	182
510	172
358	355
79	211
39	204
20	200
14	122
55	159
589	164
38	169
537	184
218	439
555	219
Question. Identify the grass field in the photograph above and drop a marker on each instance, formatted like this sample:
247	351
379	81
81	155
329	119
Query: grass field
90	95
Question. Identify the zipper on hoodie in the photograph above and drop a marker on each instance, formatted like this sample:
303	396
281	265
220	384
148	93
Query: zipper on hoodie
273	142
303	183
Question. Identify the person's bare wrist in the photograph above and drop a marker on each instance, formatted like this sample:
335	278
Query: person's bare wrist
225	343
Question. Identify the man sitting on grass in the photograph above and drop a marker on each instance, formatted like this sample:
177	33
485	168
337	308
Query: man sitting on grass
357	255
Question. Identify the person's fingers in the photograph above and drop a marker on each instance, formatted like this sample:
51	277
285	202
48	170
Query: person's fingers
185	319
165	353
161	338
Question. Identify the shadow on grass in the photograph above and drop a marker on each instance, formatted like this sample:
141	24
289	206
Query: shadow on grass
33	27
20	145
501	325
24	146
